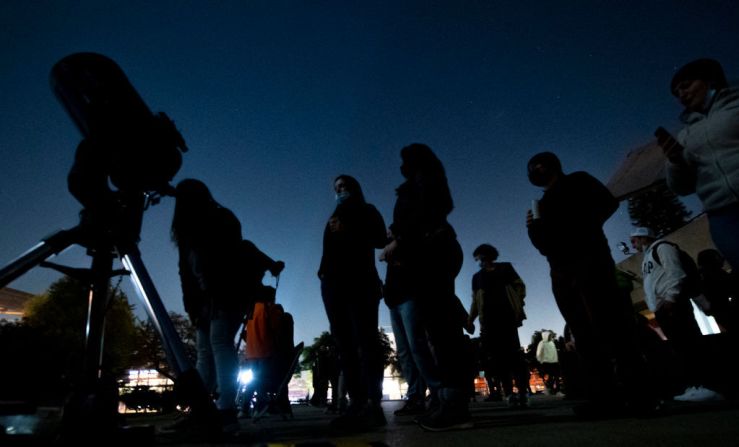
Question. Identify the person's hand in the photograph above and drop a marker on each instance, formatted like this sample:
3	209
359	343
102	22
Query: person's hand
529	218
470	328
667	308
670	147
674	154
334	224
388	251
277	268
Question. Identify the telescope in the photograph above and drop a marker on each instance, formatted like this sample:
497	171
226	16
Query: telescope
138	152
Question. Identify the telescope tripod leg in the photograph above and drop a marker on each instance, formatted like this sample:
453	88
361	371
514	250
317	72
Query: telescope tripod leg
91	412
49	246
189	384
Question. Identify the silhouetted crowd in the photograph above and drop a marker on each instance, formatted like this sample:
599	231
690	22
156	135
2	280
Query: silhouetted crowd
610	357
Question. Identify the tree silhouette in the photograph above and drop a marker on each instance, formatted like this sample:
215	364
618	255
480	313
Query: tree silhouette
325	343
44	352
149	353
60	316
659	209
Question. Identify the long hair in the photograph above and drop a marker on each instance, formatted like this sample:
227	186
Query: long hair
192	212
420	163
352	185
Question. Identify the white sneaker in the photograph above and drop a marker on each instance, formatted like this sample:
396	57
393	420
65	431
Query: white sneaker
703	394
686	394
698	394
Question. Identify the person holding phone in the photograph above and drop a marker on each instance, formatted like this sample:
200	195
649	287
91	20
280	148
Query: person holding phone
704	157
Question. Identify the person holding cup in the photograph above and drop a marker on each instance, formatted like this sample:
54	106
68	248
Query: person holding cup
567	229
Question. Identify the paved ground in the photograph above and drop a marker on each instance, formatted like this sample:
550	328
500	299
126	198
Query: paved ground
548	422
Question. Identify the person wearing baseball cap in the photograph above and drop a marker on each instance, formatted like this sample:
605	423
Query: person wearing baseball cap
667	293
642	238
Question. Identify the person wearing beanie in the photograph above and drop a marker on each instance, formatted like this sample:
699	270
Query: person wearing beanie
704	157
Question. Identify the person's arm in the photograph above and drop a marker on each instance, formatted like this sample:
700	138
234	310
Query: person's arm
538	233
681	176
473	313
598	198
260	260
674	276
516	282
376	231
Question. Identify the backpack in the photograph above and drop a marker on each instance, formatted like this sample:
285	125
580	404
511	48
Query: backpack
693	277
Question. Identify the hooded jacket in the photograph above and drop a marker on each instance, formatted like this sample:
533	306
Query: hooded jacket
546	350
711	151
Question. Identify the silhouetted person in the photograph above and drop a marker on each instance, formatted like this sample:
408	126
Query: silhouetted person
426	258
706	159
325	371
573	377
351	291
720	289
498	299
208	238
568	230
548	358
269	343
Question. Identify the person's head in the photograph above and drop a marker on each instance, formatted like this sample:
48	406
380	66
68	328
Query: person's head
420	159
642	238
419	163
485	255
710	259
193	200
544	169
694	81
347	187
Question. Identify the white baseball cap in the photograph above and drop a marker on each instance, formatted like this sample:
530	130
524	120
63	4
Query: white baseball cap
643	232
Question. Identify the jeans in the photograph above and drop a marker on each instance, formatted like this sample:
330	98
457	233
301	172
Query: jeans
416	360
217	362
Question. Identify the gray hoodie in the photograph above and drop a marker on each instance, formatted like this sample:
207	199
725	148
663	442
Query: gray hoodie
711	142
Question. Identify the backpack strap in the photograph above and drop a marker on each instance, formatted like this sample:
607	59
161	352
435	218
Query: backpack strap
655	254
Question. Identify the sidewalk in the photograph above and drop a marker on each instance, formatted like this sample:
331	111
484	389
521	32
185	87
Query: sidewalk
548	422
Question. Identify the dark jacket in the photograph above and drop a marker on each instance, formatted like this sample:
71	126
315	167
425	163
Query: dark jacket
573	212
348	259
421	208
210	268
428	256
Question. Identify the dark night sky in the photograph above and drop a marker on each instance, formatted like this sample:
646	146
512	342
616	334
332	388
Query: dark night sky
277	98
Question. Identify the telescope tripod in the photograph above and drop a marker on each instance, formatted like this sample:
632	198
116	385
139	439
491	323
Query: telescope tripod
91	412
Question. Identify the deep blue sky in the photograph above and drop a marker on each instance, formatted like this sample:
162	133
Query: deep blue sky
277	98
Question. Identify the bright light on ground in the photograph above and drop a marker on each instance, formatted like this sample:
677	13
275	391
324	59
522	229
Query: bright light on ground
246	376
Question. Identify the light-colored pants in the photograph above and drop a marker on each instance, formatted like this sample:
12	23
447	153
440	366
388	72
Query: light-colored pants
217	362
